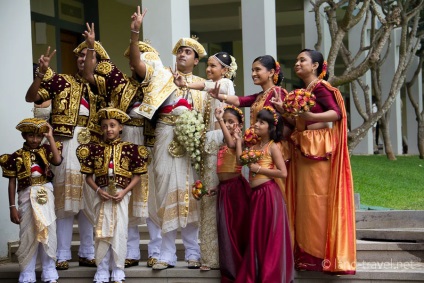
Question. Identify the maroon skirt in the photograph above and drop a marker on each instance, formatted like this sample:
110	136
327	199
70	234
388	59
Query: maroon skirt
269	256
233	225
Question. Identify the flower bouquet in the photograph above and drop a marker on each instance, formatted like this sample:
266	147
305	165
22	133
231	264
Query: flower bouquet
298	101
198	190
249	156
250	138
188	130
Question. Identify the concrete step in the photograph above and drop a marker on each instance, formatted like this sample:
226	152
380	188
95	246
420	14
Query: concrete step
367	251
13	247
388	272
392	234
374	251
379	219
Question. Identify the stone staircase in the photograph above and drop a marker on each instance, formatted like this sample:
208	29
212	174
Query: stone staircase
390	248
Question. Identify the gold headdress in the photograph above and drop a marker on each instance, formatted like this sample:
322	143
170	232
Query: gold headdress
144	46
192	43
97	47
33	125
113	113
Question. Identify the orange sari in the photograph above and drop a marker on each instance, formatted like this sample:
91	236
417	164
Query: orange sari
319	197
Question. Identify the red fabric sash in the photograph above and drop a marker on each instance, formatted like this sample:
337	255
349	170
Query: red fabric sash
168	109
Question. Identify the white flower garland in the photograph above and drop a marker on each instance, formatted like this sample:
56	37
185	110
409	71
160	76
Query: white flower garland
188	129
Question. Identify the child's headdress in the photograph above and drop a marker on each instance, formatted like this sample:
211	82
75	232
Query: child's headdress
33	125
237	110
113	113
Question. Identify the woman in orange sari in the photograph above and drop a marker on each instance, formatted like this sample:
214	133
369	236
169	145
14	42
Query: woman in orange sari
319	185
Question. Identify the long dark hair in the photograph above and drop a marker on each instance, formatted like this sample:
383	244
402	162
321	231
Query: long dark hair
269	63
275	131
317	57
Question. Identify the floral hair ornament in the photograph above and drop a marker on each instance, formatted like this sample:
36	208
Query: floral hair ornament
237	110
324	70
277	72
274	114
232	68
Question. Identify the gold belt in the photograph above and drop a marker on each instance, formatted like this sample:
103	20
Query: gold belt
82	121
168	119
41	180
137	122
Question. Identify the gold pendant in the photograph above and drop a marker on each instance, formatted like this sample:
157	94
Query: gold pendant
42	196
84	136
32	157
176	149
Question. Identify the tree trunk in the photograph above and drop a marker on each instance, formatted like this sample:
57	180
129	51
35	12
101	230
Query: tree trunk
384	126
420	136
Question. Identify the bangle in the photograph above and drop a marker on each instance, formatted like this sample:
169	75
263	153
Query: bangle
39	74
257	171
98	188
10	206
90	49
225	98
135	31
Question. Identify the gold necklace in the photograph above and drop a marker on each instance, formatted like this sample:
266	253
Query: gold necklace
312	85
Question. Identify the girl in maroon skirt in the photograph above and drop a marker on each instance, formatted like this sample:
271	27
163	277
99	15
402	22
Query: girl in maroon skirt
233	196
269	256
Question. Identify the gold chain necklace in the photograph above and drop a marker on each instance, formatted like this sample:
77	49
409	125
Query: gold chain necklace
312	85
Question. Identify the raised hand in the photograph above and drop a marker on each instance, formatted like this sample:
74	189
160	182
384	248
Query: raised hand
137	19
215	91
89	35
44	61
237	132
50	133
277	102
219	113
179	80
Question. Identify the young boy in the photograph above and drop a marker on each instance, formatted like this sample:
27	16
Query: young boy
112	170
30	168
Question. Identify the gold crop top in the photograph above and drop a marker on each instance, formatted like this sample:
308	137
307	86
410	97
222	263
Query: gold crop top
264	162
227	161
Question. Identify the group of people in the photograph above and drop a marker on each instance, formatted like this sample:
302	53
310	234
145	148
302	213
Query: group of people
110	157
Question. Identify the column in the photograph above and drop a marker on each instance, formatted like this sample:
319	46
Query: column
167	21
15	78
417	93
259	38
366	145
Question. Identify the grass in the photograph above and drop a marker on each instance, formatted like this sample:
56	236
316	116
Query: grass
395	184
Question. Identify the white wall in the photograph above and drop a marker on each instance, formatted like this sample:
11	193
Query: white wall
15	78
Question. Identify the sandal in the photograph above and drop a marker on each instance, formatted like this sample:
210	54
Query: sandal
131	262
204	268
193	264
151	261
63	265
160	265
83	261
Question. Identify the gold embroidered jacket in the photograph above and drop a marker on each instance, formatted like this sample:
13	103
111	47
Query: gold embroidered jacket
128	159
18	165
66	92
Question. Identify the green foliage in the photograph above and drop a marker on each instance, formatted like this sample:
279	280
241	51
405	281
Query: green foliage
395	184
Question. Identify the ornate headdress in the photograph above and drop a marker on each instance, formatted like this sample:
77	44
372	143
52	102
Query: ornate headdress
97	47
33	125
237	110
113	113
324	70
144	46
192	43
274	114
277	72
232	68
